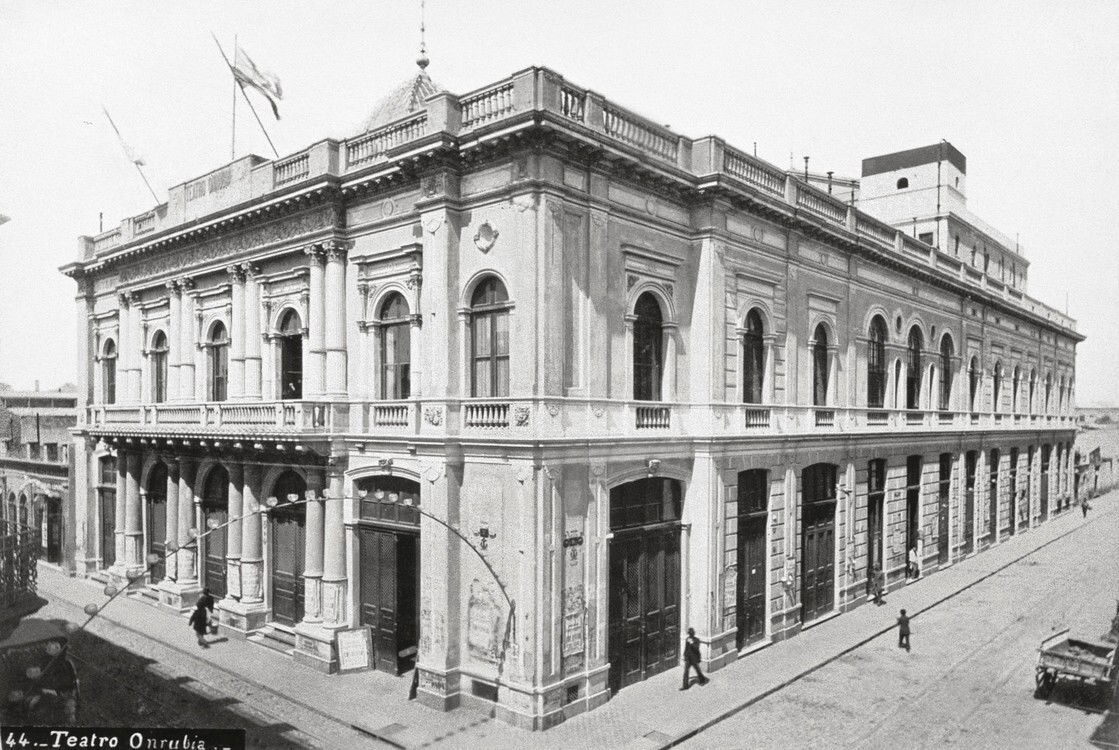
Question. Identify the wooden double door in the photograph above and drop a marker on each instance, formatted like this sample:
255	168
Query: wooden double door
108	501
644	625
215	513
818	541
388	594
750	588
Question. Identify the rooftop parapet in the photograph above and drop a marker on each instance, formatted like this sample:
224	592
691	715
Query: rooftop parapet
532	96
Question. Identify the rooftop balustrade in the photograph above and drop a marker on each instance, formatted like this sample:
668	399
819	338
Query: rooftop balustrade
532	95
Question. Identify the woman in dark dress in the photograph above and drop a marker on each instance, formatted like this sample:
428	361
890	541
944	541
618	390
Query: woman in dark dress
199	621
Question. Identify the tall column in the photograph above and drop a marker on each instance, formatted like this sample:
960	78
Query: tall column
769	386
234	504
171	529
313	549
133	523
334	555
119	513
252	559
335	318
136	347
186	341
174	339
188	543
313	364
237	332
252	389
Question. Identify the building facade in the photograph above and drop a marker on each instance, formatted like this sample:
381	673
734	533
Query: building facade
35	465
528	384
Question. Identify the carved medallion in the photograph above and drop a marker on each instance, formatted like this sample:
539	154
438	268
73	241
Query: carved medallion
433	415
485	237
520	415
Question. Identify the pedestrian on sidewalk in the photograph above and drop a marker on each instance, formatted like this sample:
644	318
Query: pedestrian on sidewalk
914	563
1084	507
878	583
903	631
199	621
691	659
206	599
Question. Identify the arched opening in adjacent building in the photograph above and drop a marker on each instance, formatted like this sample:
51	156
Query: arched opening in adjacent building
947	351
156	531
971	479
648	348
1014	390
291	356
388	536
489	339
287	537
107	509
913	372
875	520
973	384
818	495
215	512
217	357
876	364
1043	487
24	512
820	366
396	348
158	358
996	388
1048	392
753	520
753	359
644	619
109	373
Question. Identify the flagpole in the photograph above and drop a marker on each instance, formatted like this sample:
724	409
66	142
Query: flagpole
233	129
247	100
134	162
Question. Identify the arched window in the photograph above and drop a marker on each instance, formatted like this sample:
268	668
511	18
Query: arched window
1048	392
395	348
109	373
753	365
159	367
1033	389
291	356
1014	390
913	369
219	362
903	183
996	388
973	384
876	364
946	352
820	366
489	329
648	348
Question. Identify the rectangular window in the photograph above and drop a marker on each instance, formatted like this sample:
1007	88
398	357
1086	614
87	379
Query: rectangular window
926	237
52	452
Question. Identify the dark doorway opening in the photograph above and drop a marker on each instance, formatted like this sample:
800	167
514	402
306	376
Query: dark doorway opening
644	621
912	511
818	484
971	461
156	531
876	501
943	509
1012	488
215	512
753	515
287	535
291	356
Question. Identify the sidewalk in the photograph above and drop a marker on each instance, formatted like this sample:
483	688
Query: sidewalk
651	714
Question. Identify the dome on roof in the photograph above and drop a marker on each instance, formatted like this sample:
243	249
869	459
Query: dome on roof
405	99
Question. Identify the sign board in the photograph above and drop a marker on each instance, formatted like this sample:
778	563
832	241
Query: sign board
355	648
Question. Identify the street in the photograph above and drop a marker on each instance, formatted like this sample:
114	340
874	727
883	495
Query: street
969	679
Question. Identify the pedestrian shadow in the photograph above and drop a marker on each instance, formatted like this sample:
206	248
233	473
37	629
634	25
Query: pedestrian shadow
121	688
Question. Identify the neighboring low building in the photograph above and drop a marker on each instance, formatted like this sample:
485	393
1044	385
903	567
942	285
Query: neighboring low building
529	384
35	464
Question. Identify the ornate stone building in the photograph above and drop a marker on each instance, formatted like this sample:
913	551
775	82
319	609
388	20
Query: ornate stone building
529	384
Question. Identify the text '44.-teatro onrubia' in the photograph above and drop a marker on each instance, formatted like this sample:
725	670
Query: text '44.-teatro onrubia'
529	384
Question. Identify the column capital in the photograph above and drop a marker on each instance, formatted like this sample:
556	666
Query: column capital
236	274
186	283
315	253
335	250
250	270
174	286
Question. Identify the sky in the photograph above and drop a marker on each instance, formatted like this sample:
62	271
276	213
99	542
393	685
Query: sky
1027	90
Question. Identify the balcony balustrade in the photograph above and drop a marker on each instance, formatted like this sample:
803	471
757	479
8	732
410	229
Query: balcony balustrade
541	418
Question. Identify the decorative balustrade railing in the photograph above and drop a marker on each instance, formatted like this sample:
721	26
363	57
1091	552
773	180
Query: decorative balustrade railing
392	415
107	241
291	169
825	417
573	104
754	171
821	204
756	418
370	146
653	417
488	105
487	414
630	129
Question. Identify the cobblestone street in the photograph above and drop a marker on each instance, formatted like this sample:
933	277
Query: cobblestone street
968	681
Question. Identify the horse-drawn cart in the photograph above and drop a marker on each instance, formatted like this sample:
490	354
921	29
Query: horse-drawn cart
1090	662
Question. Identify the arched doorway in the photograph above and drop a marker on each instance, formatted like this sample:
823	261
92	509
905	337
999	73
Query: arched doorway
156	531
54	529
644	621
215	512
389	569
286	534
291	356
753	513
818	490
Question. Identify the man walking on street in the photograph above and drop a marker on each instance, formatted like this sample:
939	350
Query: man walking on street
198	622
903	631
691	659
1084	507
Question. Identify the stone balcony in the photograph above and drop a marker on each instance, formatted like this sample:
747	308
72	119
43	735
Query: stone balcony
222	417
